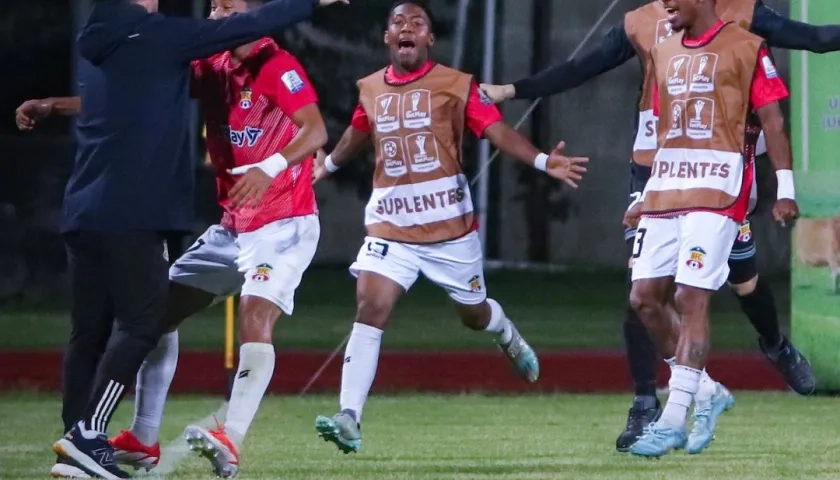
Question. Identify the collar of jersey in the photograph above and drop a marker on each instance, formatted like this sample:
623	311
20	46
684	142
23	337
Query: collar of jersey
392	78
263	45
707	36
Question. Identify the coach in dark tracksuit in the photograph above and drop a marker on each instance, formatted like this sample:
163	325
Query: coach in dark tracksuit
754	294
131	186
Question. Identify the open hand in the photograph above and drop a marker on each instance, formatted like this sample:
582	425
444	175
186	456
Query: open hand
568	169
319	171
250	188
31	112
785	210
326	3
632	216
497	93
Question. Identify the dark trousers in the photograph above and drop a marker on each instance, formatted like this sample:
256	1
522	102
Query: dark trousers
120	276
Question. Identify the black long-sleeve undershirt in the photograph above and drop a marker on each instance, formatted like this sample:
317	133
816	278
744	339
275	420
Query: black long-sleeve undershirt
615	49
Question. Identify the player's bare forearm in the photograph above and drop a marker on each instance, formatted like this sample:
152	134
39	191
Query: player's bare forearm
66	106
778	145
311	136
352	140
511	142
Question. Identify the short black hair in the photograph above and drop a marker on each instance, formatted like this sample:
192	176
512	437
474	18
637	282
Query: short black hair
423	4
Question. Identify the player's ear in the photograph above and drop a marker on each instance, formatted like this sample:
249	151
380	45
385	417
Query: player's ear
431	39
385	37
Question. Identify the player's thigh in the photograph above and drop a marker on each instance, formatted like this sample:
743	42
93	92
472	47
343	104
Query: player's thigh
705	245
395	261
655	249
274	257
209	265
742	258
456	266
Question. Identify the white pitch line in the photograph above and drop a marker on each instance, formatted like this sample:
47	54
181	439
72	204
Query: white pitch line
177	450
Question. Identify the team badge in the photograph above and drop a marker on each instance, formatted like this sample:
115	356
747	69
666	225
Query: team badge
696	257
744	233
245	99
475	284
262	273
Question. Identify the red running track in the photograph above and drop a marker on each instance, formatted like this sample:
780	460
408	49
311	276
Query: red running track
445	372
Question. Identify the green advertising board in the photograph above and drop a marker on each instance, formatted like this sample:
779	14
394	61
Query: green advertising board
815	135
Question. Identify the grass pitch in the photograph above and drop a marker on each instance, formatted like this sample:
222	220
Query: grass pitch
766	436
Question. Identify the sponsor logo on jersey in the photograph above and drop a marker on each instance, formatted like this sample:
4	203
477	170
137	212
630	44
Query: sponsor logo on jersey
769	69
246	137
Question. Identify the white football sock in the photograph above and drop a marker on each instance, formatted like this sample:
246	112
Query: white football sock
499	323
256	367
360	360
683	386
153	381
707	389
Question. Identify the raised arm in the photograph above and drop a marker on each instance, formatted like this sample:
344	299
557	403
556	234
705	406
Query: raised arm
30	112
613	51
191	39
782	32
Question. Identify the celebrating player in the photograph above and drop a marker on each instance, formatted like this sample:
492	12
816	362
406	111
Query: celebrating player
636	35
420	216
715	87
263	126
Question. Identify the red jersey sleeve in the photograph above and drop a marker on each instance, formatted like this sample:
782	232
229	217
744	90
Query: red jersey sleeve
480	112
767	86
287	84
360	119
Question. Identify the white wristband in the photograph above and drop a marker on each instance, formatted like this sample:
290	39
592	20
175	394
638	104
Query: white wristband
329	165
541	162
273	165
785	188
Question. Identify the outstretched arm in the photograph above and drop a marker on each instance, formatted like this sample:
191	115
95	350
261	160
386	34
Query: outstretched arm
782	32
30	112
613	51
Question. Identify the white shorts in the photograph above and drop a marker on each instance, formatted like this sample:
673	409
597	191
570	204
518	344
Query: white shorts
267	263
457	266
693	248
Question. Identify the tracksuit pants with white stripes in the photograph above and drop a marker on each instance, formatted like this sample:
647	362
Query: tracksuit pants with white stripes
120	286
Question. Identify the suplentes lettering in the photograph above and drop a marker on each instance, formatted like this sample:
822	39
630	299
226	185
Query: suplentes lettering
420	203
691	169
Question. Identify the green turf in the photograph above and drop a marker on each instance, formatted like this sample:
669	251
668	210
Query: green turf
766	436
552	311
817	327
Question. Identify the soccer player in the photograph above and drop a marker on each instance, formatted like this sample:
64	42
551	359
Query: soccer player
715	88
420	215
641	29
263	127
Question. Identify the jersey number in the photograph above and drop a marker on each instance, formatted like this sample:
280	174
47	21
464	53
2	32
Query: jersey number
638	242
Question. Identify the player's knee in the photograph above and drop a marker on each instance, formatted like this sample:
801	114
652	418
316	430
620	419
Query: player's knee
373	309
691	300
474	317
642	298
258	316
744	288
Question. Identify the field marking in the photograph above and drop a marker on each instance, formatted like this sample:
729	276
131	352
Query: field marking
177	450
